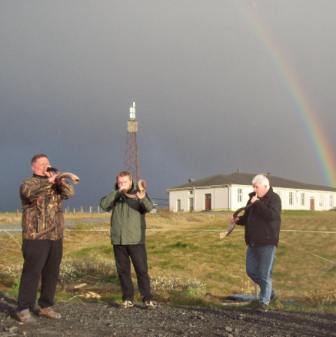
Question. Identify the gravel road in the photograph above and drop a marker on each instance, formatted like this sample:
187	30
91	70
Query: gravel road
103	320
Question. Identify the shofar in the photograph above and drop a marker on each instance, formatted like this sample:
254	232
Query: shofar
141	188
232	226
68	175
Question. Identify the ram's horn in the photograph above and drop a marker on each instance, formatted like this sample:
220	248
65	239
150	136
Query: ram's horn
68	175
232	226
142	185
141	188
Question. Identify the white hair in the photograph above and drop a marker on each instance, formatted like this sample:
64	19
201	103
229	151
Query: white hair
261	179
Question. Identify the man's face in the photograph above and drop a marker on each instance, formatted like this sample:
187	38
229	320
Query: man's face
40	166
260	189
124	183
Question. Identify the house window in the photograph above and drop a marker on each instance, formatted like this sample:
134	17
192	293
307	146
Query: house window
178	205
290	200
321	203
302	199
240	195
191	192
331	201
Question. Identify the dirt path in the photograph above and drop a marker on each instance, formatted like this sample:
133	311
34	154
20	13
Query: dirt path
102	320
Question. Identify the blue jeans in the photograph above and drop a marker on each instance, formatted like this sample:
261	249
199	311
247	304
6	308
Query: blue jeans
259	264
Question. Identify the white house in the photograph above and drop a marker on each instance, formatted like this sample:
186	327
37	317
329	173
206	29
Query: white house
229	192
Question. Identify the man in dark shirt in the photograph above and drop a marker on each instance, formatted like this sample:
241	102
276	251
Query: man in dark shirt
262	227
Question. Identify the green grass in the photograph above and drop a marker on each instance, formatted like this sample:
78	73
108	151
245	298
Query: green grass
93	251
189	264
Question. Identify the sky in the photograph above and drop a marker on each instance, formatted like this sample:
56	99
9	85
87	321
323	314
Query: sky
208	78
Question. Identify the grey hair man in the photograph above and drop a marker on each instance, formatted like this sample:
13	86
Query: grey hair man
262	220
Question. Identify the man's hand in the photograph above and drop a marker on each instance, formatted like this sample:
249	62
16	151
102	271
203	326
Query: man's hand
254	199
51	176
52	179
142	186
141	195
233	220
122	189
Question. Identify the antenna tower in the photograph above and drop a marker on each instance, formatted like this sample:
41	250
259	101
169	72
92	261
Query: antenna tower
132	163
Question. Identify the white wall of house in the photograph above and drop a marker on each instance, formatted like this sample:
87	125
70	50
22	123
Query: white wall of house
235	196
297	199
239	195
196	197
178	201
219	198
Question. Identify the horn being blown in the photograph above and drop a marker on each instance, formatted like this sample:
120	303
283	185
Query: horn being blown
64	175
232	226
141	190
68	175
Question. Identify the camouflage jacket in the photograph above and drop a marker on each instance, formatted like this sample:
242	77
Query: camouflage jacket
42	208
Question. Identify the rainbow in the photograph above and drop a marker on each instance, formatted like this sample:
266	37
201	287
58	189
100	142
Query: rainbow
304	108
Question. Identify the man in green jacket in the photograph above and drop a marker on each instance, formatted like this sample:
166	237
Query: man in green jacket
128	227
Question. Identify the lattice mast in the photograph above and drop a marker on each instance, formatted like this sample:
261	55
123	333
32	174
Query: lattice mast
132	162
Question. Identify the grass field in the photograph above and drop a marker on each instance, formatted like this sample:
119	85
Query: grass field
188	263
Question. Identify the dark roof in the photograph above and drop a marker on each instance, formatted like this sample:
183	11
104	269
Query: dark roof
246	179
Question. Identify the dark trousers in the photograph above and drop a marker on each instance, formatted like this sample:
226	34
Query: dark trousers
124	254
42	259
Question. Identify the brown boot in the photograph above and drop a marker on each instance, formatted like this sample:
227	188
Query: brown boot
24	316
49	312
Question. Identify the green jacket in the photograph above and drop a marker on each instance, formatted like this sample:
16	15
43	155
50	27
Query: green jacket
128	224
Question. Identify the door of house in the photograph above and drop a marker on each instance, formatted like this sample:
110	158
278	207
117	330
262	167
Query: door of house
178	205
208	201
191	204
312	204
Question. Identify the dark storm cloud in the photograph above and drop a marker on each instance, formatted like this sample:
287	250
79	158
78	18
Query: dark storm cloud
209	96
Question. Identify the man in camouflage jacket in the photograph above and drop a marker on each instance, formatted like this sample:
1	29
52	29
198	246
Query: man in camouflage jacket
42	234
